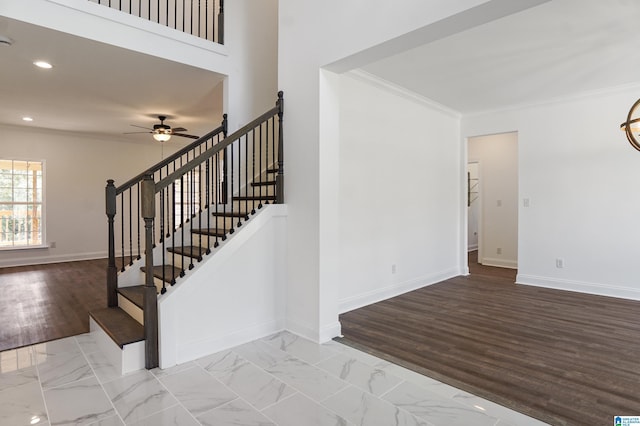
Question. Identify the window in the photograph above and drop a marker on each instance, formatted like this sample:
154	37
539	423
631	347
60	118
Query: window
21	220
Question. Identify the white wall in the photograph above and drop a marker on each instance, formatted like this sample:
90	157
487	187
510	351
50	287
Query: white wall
399	193
581	179
76	171
497	156
317	35
234	297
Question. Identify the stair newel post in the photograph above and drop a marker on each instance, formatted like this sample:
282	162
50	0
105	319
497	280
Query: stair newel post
150	303
280	175
112	270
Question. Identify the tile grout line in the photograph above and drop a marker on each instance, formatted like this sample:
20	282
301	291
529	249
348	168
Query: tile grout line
99	381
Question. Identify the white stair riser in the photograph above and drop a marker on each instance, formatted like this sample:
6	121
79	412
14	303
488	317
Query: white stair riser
129	307
125	360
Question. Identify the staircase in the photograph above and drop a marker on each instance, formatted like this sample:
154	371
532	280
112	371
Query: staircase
168	220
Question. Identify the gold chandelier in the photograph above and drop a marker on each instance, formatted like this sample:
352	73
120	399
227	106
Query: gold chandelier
631	127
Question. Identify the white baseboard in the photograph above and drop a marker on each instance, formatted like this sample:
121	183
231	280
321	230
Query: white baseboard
472	247
358	301
40	260
500	263
579	286
193	350
330	331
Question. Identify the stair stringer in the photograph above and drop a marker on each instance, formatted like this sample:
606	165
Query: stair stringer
235	297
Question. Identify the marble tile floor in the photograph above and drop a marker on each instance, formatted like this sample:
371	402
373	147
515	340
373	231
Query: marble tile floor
280	380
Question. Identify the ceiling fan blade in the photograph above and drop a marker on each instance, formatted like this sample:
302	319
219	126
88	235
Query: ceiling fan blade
178	129
185	135
141	127
131	133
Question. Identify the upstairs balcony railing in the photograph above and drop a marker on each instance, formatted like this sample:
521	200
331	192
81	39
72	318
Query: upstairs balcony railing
201	18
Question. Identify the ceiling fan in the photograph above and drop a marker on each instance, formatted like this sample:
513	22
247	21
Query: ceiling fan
163	132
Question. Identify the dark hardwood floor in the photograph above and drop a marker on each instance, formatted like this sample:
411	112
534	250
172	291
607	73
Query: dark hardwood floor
45	302
565	358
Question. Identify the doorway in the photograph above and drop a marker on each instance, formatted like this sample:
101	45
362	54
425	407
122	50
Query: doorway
492	201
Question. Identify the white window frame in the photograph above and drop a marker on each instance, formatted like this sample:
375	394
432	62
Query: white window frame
42	223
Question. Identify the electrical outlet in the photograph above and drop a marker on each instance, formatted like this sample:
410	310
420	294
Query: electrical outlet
559	263
393	268
499	203
499	250
526	202
52	244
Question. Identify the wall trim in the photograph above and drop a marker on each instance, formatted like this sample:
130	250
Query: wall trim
500	263
190	351
41	260
607	91
393	88
393	290
329	331
579	286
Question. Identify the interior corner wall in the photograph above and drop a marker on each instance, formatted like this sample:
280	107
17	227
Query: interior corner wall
311	37
399	203
579	176
76	171
497	157
251	37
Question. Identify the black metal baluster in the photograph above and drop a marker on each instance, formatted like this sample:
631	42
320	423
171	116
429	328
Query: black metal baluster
163	247
273	152
246	175
261	168
207	200
231	148
268	163
130	229
139	218
122	225
173	241
219	184
182	220
253	172
221	23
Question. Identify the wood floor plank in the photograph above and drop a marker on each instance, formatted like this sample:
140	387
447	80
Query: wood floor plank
566	358
39	303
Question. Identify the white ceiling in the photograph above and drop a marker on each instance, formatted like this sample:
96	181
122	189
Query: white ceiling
98	88
558	49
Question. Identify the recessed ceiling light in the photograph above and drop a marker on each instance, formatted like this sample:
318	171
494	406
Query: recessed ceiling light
43	64
27	118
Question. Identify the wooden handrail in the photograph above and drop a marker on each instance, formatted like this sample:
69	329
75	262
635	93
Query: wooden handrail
137	179
217	148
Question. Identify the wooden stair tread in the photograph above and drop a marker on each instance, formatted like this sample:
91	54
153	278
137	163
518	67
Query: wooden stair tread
230	214
265	183
170	271
135	294
272	170
220	232
191	251
118	325
256	198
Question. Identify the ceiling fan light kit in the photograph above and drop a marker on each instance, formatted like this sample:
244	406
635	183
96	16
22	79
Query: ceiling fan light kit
161	136
163	132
